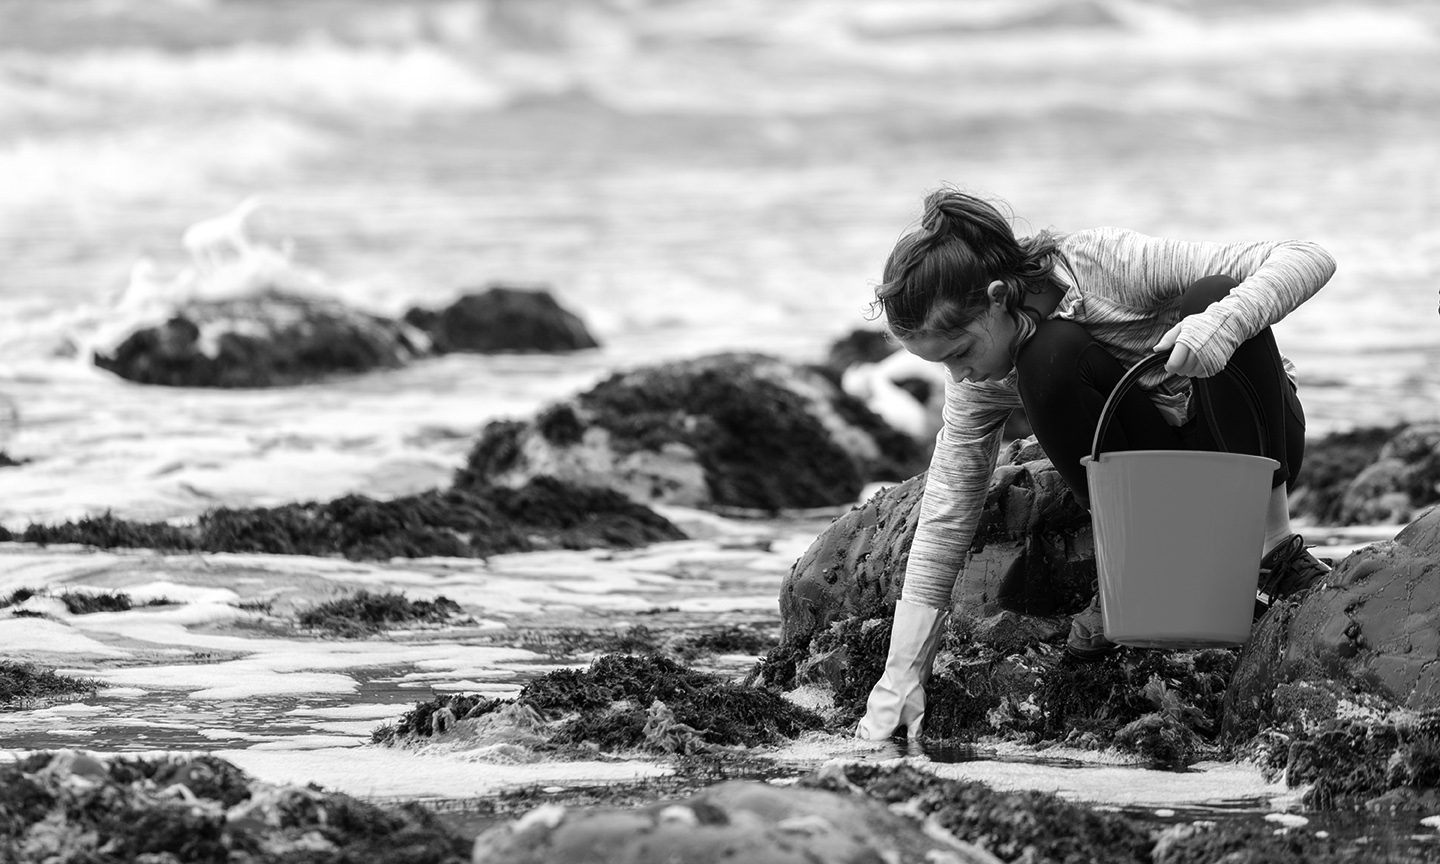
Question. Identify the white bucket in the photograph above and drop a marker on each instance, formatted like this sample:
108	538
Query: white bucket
1179	535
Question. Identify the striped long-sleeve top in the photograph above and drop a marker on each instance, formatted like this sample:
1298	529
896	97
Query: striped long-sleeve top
1124	288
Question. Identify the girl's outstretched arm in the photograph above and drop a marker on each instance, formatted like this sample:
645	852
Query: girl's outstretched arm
955	486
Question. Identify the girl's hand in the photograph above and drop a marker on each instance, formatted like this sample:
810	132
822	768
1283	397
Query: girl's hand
1182	361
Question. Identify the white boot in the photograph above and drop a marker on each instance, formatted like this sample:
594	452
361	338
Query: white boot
898	698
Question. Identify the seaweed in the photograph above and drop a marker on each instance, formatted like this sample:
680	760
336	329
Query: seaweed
456	522
626	702
1162	705
364	613
19	595
420	721
25	683
758	441
108	532
559	425
1235	842
731	639
497	451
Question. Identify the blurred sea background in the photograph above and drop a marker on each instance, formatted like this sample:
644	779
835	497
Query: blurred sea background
687	176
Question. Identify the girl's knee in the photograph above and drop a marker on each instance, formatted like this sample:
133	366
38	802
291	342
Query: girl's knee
1055	343
1203	292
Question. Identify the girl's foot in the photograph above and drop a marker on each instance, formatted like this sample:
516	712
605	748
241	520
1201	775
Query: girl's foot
1287	569
1087	634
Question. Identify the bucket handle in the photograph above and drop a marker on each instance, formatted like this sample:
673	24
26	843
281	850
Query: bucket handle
1112	403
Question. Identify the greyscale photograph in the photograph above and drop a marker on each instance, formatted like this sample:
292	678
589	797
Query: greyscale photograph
767	431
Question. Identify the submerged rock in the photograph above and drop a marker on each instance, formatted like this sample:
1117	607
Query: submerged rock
730	822
503	320
736	430
1011	826
267	340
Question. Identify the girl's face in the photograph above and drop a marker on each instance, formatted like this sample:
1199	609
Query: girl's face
980	352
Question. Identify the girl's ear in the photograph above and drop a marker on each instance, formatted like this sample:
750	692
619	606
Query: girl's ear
997	291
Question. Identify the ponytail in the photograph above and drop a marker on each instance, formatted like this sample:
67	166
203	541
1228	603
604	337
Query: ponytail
936	277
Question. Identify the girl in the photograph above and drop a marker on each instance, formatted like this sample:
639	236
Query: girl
1051	323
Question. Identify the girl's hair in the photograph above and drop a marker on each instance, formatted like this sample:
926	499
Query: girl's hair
936	276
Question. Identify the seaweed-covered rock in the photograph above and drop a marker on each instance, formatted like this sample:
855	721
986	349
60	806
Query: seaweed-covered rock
862	345
737	430
1404	477
543	514
503	320
621	703
27	685
1370	475
71	806
1034	552
267	340
734	821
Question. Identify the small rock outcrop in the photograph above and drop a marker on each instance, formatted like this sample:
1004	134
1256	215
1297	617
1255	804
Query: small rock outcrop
1373	627
1369	476
267	340
503	320
1034	552
725	430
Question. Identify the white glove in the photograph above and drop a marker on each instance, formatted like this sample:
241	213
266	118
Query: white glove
898	698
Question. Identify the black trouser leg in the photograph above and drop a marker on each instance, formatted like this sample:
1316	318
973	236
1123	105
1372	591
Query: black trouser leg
1064	379
1258	359
1065	376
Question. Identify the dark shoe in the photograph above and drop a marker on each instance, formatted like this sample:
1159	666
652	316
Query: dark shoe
1087	634
1288	569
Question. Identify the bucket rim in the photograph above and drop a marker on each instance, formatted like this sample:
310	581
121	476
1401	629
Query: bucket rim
1192	455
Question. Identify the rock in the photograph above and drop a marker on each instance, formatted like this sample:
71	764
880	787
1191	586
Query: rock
1423	535
727	430
1405	476
1373	626
734	821
1016	826
1332	463
855	567
862	345
1034	552
504	320
261	341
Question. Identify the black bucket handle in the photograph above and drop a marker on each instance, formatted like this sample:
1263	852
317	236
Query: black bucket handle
1112	403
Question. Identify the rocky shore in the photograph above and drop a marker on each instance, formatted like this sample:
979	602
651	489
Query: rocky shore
1333	697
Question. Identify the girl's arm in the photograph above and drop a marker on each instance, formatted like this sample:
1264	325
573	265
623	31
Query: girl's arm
1149	272
955	487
